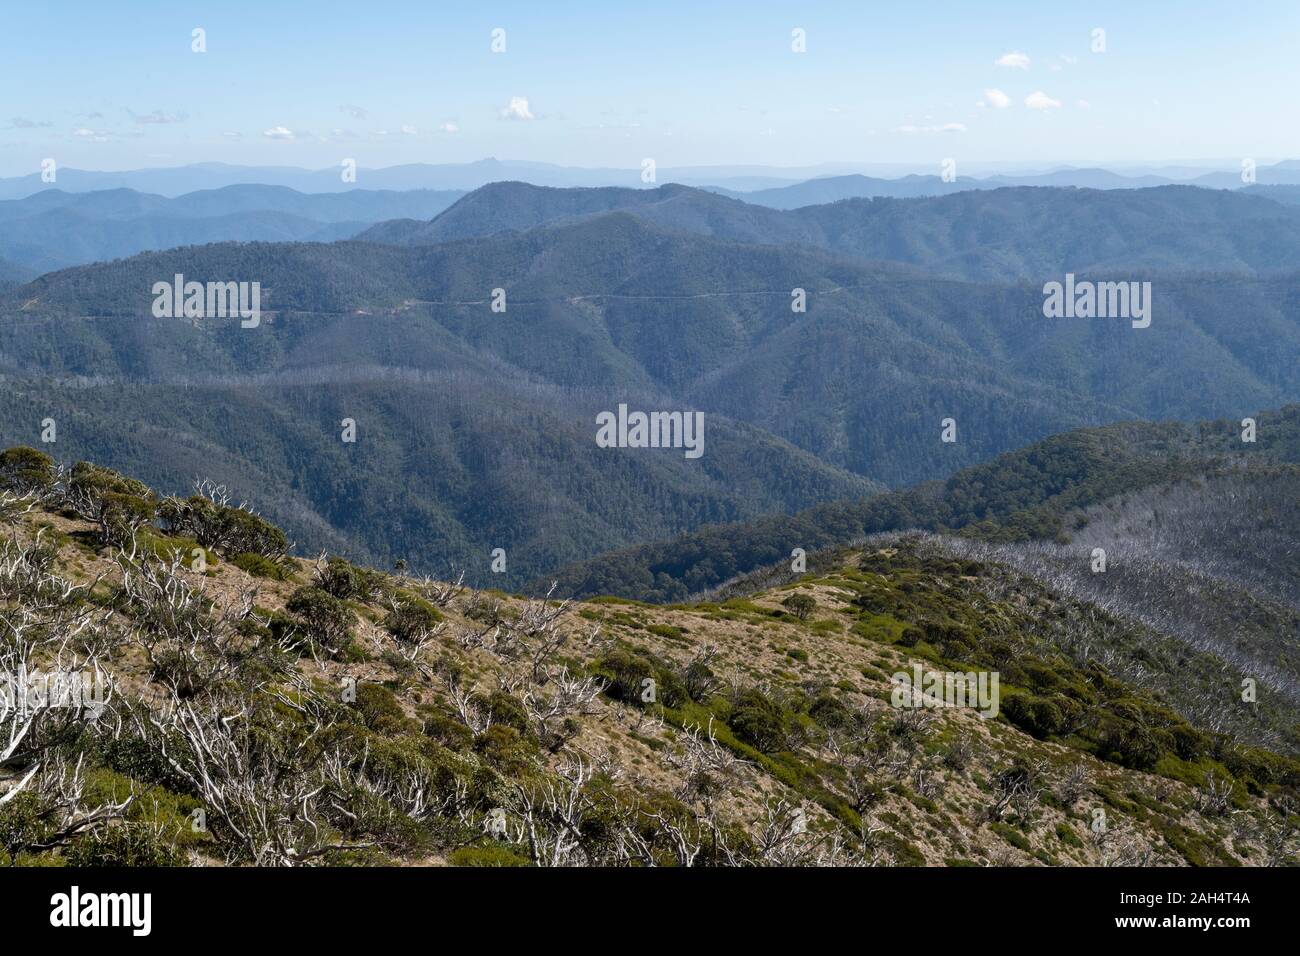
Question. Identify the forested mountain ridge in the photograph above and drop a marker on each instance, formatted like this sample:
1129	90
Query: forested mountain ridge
1035	493
996	235
601	311
612	301
447	466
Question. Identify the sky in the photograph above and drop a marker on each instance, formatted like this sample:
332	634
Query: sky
112	86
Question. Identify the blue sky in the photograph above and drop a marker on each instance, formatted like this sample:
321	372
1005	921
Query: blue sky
115	85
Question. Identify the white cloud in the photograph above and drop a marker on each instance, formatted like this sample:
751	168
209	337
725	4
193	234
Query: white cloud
449	127
157	118
278	132
22	123
356	112
408	129
997	99
1038	100
518	109
912	130
94	135
1084	105
1018	61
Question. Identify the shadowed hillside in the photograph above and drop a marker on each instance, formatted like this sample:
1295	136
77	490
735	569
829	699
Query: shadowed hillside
1041	492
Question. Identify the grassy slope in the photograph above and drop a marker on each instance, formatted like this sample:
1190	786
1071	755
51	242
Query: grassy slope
876	613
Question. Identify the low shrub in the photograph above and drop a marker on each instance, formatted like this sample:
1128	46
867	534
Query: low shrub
325	619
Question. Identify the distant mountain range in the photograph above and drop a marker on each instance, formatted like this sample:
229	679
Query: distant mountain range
54	229
94	216
1000	235
825	183
834	188
177	180
12	273
827	189
970	234
1286	194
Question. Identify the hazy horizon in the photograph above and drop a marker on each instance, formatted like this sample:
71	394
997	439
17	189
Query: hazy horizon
984	167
